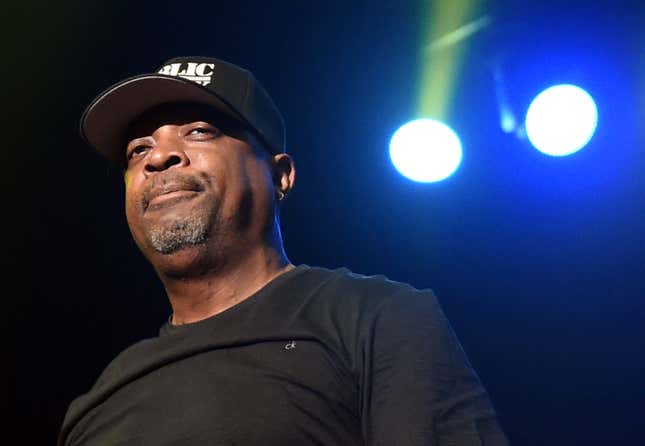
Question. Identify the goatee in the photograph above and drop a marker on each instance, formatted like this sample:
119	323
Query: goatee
179	234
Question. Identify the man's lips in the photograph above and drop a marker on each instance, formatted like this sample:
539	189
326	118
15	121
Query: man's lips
169	198
169	192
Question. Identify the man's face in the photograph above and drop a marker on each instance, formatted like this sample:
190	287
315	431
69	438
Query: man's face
194	179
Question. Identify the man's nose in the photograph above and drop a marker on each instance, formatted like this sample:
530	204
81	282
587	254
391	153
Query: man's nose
164	155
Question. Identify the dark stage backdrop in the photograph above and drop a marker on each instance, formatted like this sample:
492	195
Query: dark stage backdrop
538	262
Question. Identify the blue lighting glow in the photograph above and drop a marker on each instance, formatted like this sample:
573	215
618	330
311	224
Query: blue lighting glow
425	150
561	120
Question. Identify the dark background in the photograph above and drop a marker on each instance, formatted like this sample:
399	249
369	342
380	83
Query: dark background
538	261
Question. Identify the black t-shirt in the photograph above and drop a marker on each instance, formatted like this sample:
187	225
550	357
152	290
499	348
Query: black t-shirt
316	357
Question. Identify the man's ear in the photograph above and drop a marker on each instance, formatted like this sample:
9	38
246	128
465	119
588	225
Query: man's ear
284	173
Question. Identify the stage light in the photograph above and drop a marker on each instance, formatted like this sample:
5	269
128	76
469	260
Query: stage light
425	150
561	120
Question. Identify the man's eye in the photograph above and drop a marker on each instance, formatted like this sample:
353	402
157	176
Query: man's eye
138	150
202	131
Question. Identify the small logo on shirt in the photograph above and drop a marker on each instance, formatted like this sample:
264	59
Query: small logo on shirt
290	345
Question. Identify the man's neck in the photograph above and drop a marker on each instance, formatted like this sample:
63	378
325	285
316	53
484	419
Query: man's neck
197	298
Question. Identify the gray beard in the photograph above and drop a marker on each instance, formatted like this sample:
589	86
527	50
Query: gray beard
179	234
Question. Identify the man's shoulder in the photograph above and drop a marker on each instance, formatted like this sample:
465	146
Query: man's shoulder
112	377
354	307
118	365
350	278
343	284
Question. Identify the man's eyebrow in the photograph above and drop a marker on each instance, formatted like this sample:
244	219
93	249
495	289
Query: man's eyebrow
130	141
202	121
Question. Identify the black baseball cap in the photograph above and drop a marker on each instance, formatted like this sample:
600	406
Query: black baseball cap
224	86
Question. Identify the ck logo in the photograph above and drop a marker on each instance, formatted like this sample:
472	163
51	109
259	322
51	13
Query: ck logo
202	73
290	345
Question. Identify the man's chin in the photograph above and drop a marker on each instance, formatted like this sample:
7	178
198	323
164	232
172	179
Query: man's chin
174	248
178	235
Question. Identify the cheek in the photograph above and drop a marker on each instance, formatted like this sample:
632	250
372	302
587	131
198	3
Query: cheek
260	186
253	175
127	179
129	214
133	218
132	211
262	178
263	184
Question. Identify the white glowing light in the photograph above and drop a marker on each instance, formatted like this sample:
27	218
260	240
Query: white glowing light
425	150
561	120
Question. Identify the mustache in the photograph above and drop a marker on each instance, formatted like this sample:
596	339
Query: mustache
170	182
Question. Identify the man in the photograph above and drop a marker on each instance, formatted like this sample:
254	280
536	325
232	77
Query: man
257	351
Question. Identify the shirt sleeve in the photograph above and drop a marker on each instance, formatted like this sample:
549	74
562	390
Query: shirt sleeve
418	387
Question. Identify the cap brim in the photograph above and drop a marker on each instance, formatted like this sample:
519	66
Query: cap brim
106	120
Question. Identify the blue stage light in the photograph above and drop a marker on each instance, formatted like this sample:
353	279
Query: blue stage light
561	120
425	150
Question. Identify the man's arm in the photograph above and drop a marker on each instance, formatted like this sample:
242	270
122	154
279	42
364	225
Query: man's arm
418	387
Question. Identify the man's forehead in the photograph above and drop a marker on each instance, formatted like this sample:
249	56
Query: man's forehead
181	113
